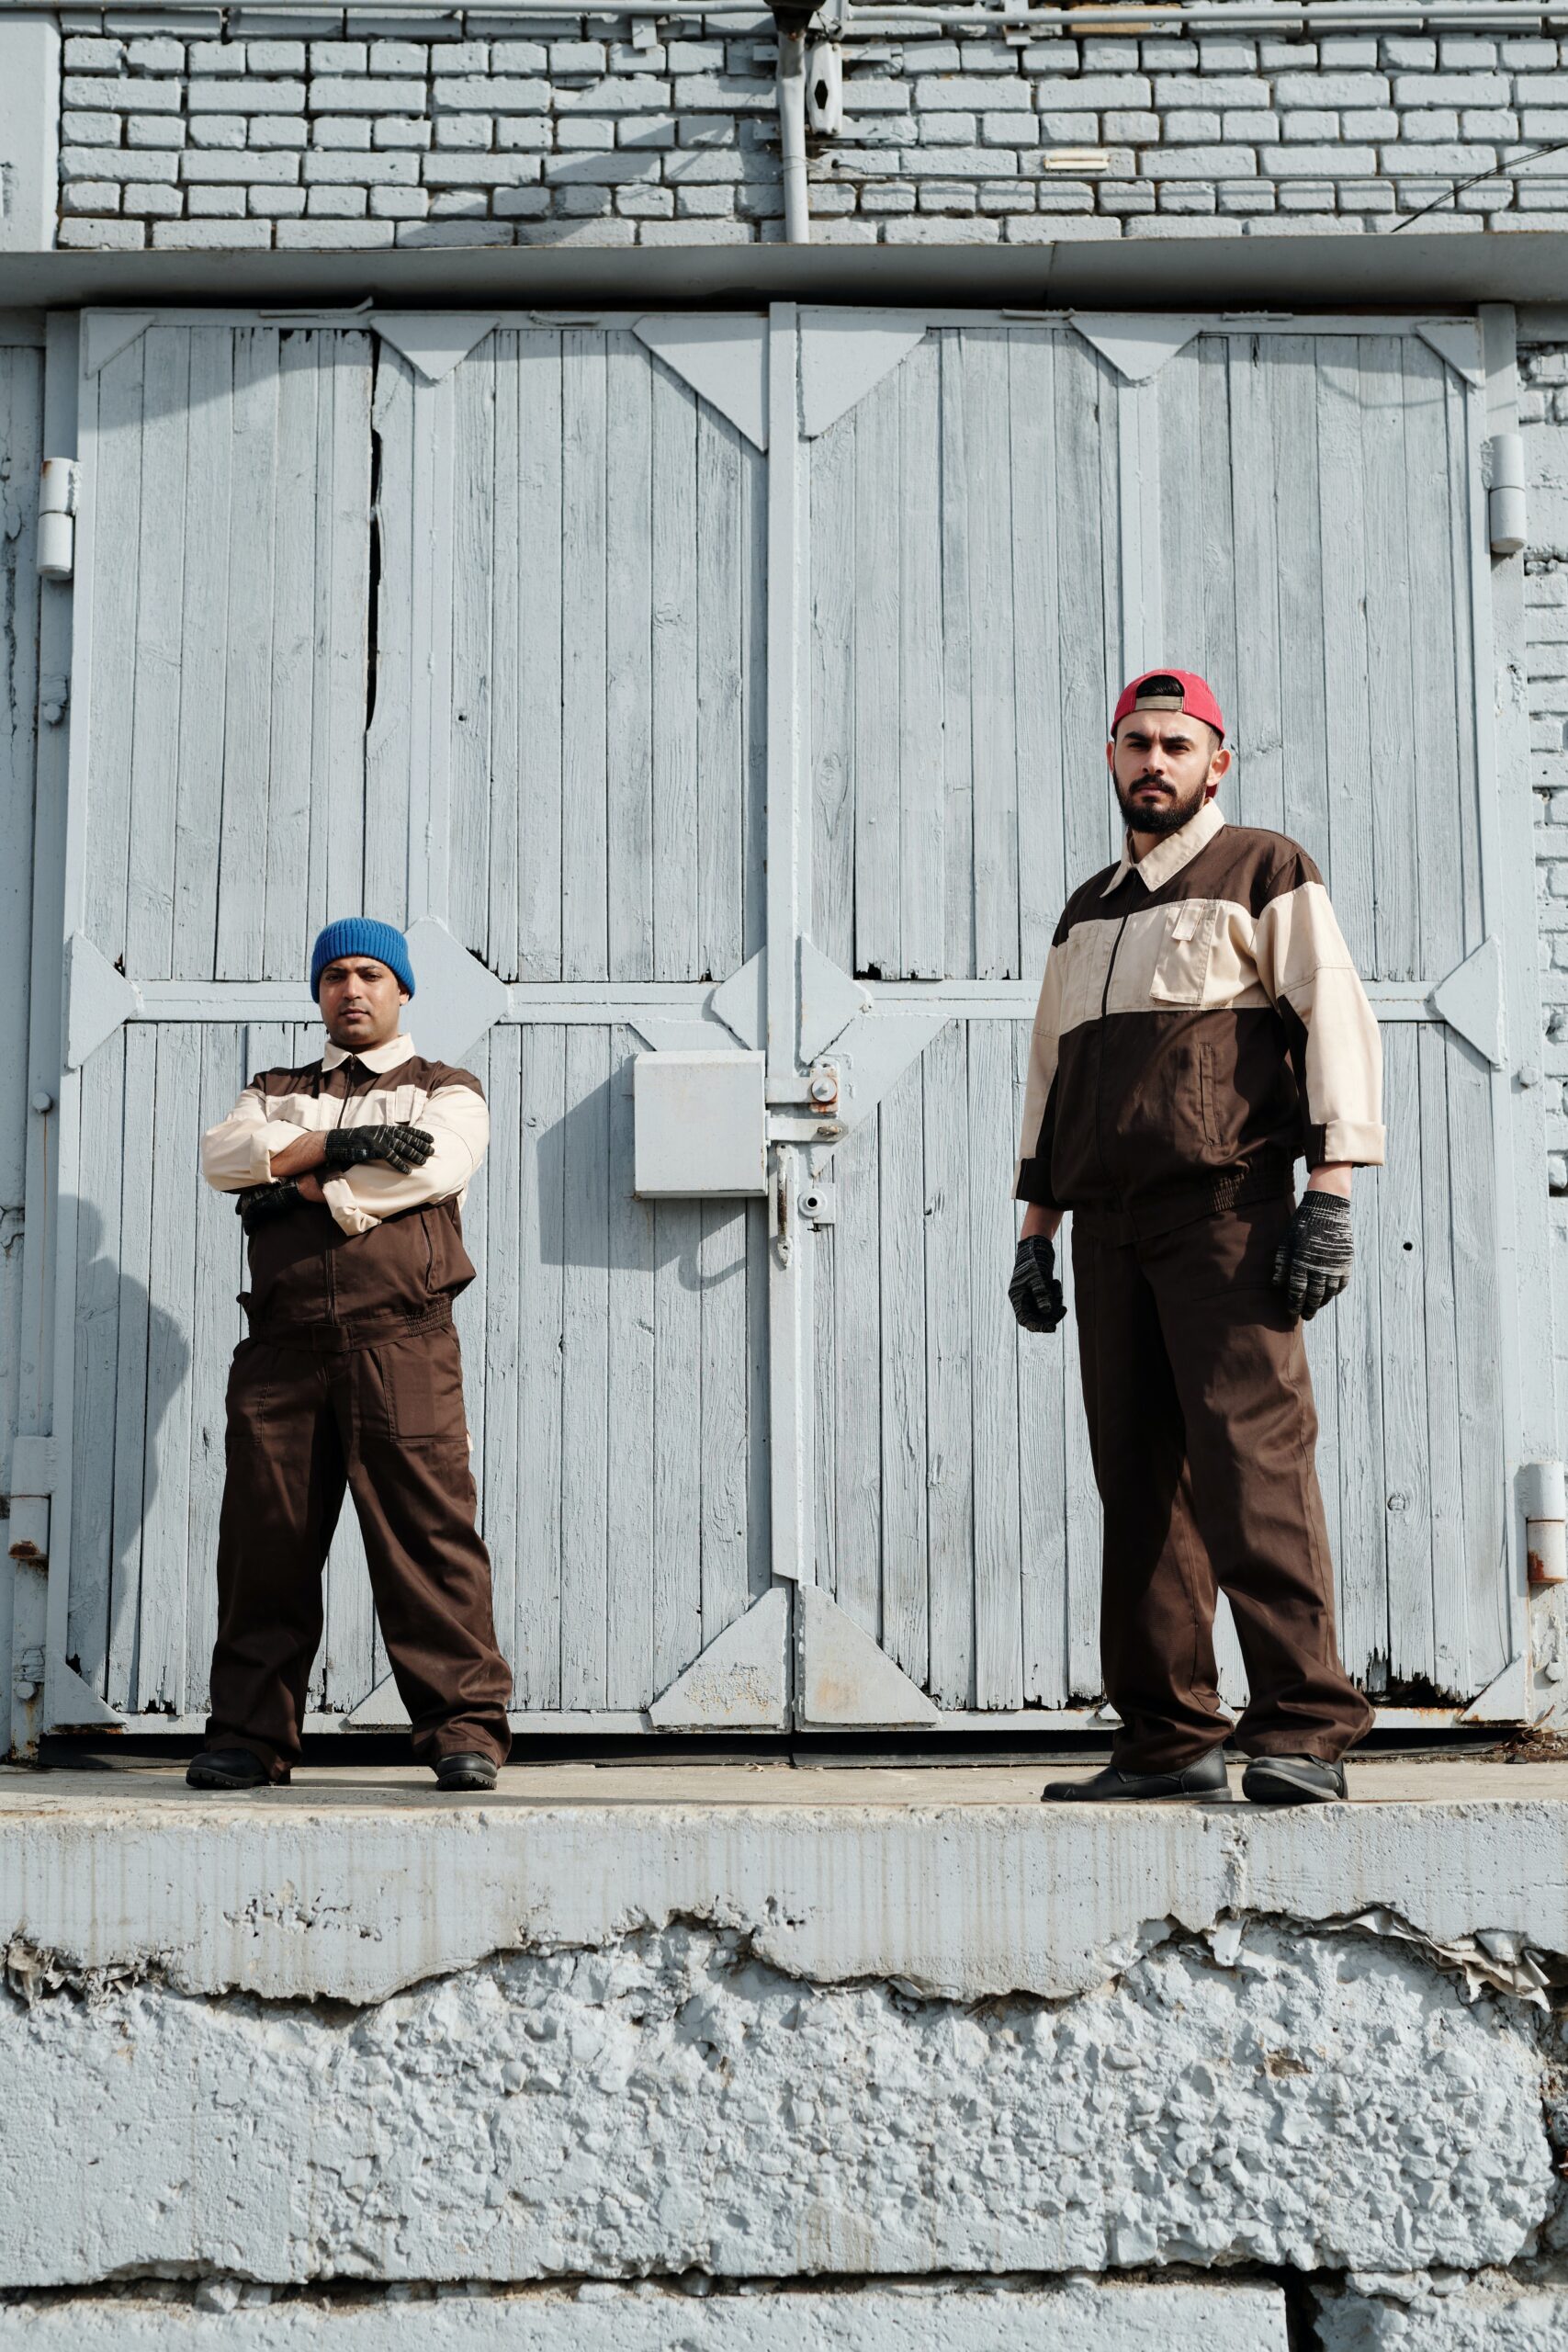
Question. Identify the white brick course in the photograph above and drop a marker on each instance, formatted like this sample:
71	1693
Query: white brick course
1244	133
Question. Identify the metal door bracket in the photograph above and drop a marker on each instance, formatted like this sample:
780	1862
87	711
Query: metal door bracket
1470	1001
830	1000
723	359
1137	347
1506	1700
844	355
105	334
433	342
740	1003
97	999
742	1680
380	1709
1457	341
458	1002
844	1678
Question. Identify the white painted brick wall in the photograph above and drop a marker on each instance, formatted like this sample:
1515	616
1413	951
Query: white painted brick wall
944	140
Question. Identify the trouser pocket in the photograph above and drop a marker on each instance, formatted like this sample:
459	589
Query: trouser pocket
421	1384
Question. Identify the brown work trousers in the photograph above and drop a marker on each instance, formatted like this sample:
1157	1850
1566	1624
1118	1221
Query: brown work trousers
384	1417
1201	1427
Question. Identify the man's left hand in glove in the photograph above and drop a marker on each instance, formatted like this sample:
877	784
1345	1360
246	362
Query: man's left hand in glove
1313	1263
1034	1293
401	1146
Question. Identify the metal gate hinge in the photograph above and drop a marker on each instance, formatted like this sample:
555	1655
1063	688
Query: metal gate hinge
58	488
1507	523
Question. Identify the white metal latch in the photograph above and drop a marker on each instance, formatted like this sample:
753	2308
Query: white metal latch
57	488
819	1203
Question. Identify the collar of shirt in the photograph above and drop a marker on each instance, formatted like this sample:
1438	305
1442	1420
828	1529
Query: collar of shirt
1170	853
380	1058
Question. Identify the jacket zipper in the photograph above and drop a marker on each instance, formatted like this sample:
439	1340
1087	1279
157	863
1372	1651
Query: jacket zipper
1100	1052
331	1256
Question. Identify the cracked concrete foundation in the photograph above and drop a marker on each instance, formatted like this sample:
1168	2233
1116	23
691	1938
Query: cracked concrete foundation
876	2074
669	2102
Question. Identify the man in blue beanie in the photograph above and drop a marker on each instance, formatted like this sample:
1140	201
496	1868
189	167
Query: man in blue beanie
350	1175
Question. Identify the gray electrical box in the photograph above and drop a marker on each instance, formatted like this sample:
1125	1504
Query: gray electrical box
701	1125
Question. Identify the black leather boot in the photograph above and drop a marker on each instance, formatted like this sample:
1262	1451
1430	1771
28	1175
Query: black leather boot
464	1772
1293	1779
1205	1778
229	1768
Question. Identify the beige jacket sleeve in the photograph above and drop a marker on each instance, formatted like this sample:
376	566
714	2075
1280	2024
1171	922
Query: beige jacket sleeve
457	1118
1031	1170
1306	965
238	1151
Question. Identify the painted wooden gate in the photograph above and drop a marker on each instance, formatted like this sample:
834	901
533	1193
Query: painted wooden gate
742	683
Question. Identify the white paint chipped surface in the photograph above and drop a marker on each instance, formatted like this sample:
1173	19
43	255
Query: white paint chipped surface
669	2102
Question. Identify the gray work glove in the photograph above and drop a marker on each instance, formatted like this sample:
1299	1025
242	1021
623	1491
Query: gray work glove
1313	1263
402	1148
1034	1294
263	1204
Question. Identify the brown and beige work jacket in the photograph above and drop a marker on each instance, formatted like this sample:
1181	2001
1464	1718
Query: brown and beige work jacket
385	1244
1201	1026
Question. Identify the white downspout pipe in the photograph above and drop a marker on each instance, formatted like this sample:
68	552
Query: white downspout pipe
790	82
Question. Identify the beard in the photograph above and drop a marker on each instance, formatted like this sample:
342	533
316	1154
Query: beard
1163	815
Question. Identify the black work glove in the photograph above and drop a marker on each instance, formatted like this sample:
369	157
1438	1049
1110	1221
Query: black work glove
1312	1262
1034	1294
261	1203
402	1148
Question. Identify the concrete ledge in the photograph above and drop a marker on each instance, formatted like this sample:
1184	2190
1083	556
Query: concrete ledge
624	2025
1079	2317
353	1885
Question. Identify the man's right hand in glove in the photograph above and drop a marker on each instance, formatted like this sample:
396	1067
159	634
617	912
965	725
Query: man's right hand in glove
1034	1293
260	1205
402	1148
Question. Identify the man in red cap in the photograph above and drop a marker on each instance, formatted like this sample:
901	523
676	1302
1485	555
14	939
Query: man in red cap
1201	1027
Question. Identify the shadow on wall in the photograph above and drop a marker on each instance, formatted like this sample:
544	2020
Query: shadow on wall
133	1362
589	1215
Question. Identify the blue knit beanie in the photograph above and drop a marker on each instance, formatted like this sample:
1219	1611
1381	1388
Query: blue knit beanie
361	935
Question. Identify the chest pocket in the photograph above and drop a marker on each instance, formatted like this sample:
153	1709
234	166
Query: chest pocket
1181	962
1088	959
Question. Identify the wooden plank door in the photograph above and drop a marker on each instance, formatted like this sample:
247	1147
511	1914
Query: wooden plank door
967	594
217	817
585	579
1341	473
1012	518
465	631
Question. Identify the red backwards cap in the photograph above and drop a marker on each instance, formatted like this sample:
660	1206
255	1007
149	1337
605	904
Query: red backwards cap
1182	690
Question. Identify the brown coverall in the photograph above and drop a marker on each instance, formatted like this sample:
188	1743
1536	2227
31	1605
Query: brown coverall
350	1374
1201	1025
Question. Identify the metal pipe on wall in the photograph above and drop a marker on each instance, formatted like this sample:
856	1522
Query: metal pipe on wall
877	20
789	81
